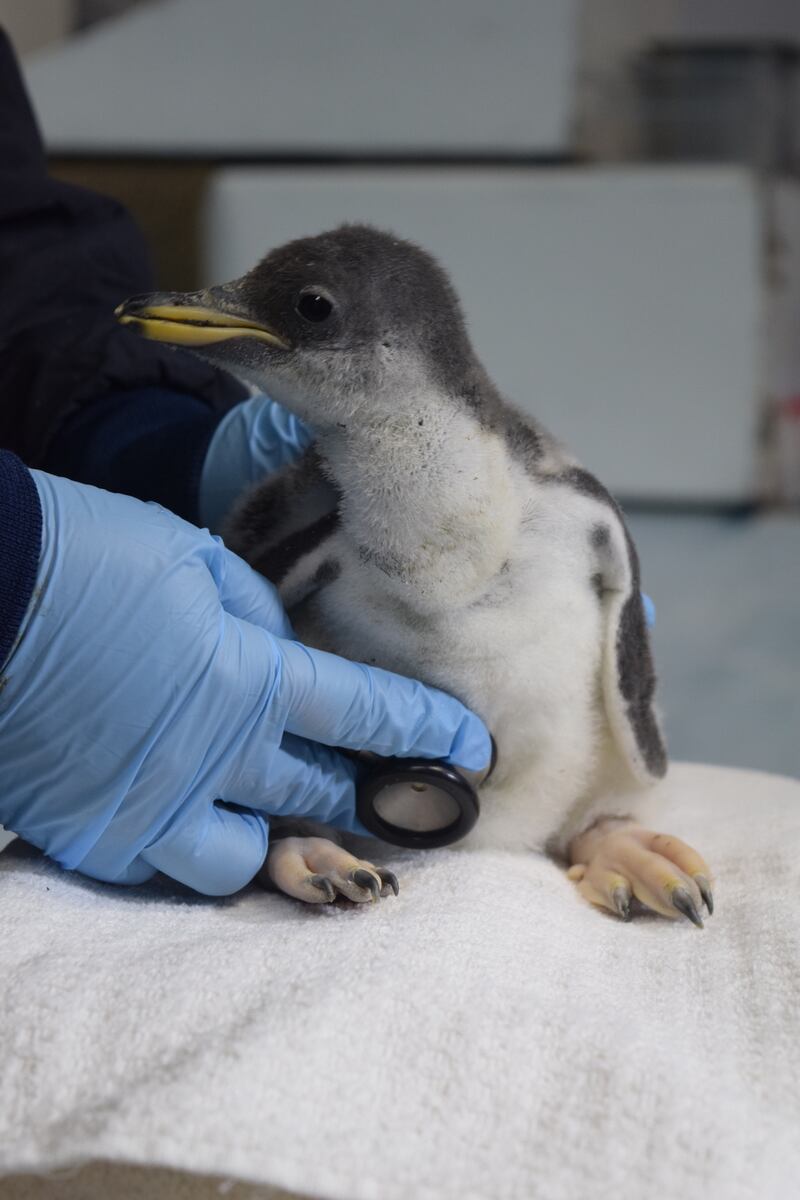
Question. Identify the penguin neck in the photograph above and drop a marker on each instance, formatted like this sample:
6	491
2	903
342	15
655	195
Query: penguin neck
428	496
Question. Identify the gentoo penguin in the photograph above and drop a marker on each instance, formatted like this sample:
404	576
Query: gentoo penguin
436	530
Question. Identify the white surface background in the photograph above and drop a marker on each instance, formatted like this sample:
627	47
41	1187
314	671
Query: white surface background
484	1036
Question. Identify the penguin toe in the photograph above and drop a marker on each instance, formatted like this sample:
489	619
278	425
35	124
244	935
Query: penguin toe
317	871
616	861
389	882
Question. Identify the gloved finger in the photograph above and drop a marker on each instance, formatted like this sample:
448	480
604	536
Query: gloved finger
329	699
246	594
135	873
211	849
278	437
253	440
649	610
302	779
96	866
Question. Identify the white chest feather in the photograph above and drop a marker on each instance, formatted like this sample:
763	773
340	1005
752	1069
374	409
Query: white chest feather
431	504
478	580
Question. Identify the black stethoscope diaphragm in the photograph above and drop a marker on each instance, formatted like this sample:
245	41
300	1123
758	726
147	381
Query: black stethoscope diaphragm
417	802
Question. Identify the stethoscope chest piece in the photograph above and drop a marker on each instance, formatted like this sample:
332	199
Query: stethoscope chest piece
418	803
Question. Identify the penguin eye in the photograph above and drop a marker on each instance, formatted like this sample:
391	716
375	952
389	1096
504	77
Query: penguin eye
313	306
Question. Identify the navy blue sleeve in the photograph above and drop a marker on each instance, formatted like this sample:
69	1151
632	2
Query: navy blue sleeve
20	542
147	442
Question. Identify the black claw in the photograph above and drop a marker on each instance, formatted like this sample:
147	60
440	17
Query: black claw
705	892
324	885
622	902
685	904
389	879
365	879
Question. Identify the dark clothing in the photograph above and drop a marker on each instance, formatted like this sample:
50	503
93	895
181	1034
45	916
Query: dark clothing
20	533
80	395
67	259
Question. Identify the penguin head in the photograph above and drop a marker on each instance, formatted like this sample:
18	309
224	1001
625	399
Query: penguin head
335	326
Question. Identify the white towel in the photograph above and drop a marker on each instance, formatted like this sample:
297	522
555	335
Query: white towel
485	1035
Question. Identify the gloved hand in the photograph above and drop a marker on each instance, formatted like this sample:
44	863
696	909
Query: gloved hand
254	439
155	674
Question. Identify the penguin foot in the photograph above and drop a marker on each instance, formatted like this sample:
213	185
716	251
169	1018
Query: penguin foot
615	859
316	870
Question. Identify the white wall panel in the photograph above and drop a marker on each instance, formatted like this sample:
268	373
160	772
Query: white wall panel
254	77
622	307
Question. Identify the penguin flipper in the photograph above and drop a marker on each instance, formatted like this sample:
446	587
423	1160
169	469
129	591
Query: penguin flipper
628	673
280	520
614	859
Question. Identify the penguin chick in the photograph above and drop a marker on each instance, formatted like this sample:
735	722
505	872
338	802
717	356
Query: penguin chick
437	531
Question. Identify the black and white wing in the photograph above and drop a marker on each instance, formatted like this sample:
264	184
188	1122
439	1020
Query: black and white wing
628	673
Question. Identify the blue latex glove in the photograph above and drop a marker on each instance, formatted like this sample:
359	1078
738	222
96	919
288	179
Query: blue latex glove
155	673
253	440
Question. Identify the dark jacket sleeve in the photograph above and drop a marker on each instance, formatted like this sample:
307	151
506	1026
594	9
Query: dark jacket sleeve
67	258
20	539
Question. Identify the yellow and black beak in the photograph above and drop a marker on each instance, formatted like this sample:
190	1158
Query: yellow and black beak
192	325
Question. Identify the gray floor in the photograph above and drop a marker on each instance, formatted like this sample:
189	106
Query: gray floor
727	636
